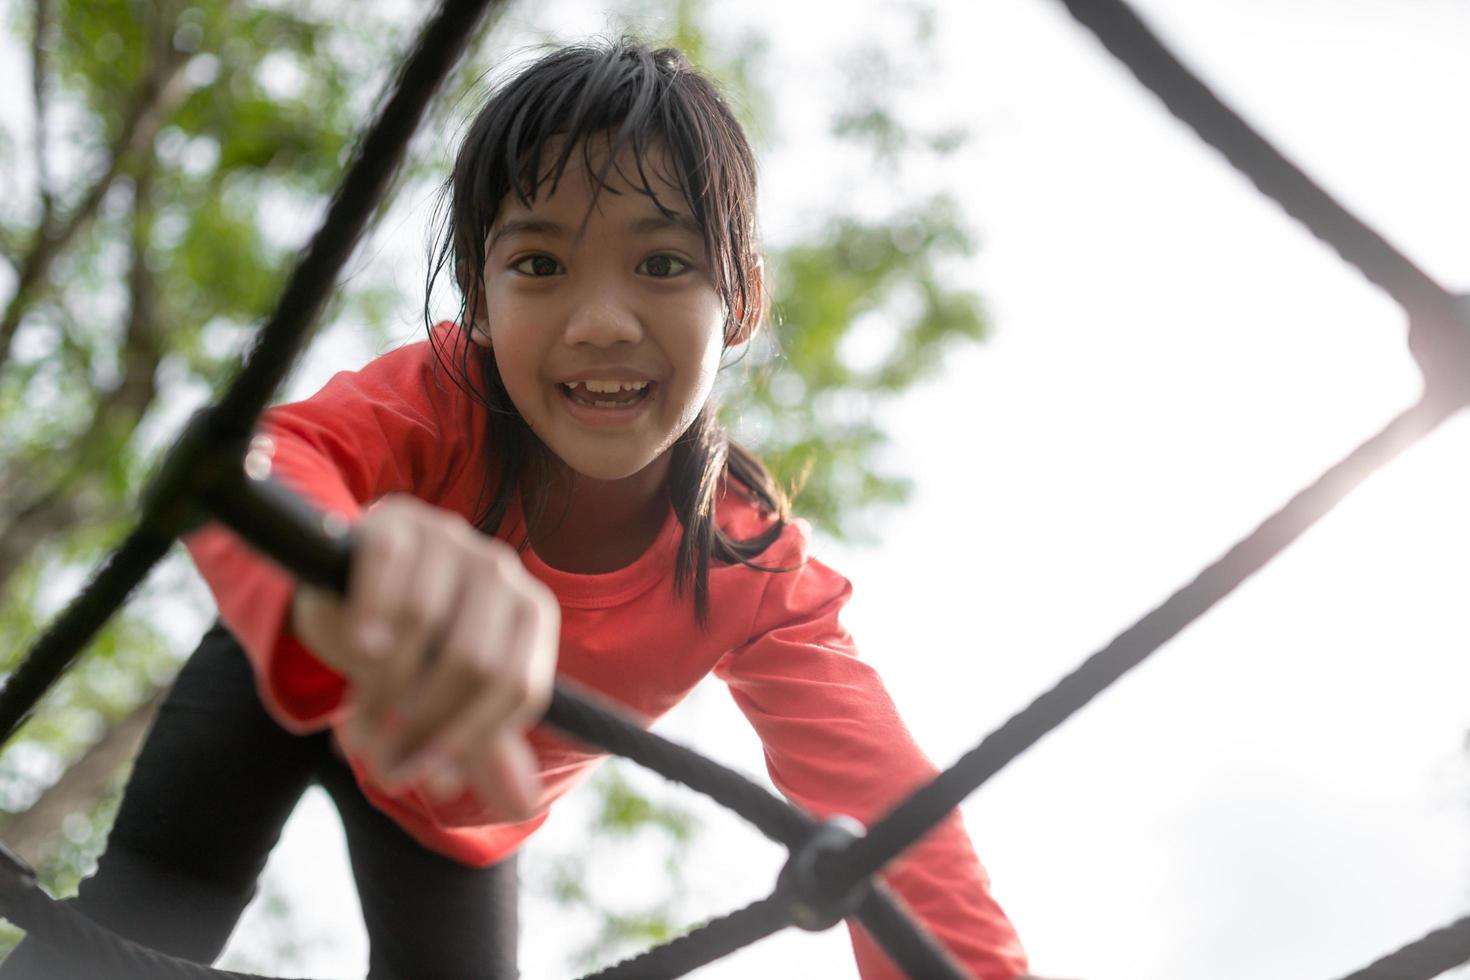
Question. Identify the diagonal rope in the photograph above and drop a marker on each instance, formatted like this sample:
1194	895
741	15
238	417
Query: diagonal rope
906	943
1130	40
75	626
711	941
278	344
603	727
908	821
88	946
1441	950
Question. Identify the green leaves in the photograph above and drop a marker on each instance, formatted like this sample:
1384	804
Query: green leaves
625	812
863	313
187	148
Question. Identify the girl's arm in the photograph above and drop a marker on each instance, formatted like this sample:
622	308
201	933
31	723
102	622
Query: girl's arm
470	638
835	744
391	427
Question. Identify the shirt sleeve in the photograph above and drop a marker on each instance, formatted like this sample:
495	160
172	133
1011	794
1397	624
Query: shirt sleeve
834	744
366	434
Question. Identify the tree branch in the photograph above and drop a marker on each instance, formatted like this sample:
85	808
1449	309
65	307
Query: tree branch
10	248
120	410
32	832
38	101
33	523
163	89
74	495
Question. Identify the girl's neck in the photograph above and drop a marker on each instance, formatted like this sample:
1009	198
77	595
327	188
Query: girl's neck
591	526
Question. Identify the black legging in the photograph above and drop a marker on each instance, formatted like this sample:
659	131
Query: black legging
211	789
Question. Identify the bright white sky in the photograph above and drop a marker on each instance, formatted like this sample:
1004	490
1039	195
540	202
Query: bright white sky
1282	792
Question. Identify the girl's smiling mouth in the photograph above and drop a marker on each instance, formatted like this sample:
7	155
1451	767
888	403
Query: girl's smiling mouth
603	401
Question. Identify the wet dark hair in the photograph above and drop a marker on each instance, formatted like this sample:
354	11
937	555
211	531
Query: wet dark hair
645	101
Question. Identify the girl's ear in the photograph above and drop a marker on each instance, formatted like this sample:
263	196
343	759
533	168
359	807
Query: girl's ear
742	329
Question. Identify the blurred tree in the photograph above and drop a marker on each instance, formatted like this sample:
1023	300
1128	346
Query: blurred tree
175	156
155	196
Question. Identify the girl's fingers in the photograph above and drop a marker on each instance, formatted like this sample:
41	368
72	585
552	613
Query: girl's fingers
506	780
465	681
385	606
502	776
453	649
386	552
382	564
420	615
489	676
316	618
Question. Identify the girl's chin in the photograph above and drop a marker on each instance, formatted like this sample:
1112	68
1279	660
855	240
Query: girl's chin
608	468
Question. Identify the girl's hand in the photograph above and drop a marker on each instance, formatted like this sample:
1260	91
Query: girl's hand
450	649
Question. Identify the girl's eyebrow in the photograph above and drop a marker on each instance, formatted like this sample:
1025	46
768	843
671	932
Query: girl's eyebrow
677	220
524	226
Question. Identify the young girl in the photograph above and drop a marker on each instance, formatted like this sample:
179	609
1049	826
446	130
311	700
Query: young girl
541	488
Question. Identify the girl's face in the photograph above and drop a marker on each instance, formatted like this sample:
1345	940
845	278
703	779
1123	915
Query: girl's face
608	336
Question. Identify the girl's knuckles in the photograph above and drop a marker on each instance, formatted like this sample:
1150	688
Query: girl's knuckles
496	546
547	608
497	680
516	689
398	506
416	617
496	565
381	540
493	676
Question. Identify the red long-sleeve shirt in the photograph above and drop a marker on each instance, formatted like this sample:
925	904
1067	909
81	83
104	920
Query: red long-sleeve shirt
833	740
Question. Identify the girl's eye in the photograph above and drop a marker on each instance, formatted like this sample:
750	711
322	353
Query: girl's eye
537	266
662	266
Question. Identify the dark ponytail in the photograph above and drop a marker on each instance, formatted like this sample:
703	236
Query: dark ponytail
705	460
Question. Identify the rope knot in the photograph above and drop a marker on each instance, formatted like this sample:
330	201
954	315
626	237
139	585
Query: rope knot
805	883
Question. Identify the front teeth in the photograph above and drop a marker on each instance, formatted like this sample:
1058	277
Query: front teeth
608	387
603	387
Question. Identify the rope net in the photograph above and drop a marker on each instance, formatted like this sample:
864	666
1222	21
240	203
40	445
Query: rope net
829	874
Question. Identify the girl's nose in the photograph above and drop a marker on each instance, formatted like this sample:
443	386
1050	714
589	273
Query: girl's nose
603	320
